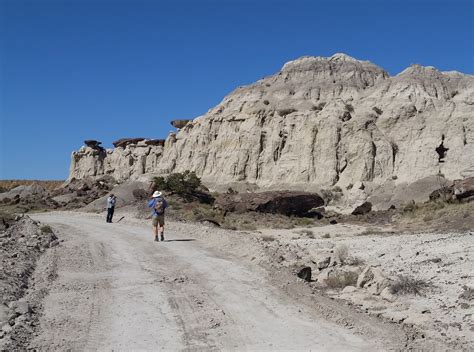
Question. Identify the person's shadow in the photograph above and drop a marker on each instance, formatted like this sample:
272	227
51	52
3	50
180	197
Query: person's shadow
181	240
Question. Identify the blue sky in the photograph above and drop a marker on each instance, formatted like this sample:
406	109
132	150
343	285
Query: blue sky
74	70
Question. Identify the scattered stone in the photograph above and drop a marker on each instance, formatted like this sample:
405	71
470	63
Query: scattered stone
349	289
362	209
387	295
305	273
22	307
323	264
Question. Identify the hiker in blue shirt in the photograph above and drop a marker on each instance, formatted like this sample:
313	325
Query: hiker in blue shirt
158	205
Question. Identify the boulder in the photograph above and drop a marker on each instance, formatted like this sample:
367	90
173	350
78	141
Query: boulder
179	123
464	188
157	142
362	209
373	280
91	143
123	142
387	295
304	273
281	202
22	307
323	264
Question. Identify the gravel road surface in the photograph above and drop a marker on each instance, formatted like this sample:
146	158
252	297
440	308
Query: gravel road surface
116	289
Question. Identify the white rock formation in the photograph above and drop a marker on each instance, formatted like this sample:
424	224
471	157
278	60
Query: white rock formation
318	122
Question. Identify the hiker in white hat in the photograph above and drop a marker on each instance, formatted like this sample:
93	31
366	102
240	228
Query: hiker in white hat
158	205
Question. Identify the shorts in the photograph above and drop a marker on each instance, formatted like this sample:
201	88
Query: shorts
158	220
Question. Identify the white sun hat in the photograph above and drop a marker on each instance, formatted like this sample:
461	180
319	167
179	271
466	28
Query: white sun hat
156	194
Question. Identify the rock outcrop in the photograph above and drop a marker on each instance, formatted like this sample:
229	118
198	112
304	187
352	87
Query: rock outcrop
281	202
179	123
319	122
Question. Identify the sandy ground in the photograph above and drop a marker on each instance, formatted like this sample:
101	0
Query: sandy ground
118	290
443	311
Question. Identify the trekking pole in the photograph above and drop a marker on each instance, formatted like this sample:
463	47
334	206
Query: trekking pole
119	219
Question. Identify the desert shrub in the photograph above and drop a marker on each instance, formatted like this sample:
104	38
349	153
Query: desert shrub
349	186
444	189
267	238
341	279
182	183
303	221
454	93
46	229
341	253
326	235
266	102
377	110
408	285
349	107
159	182
337	189
284	112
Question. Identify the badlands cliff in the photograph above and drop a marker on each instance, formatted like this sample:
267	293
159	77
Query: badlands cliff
318	122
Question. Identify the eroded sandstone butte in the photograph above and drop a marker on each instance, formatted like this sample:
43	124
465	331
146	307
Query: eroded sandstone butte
318	122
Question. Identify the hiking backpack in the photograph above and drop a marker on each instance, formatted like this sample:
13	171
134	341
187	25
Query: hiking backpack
160	206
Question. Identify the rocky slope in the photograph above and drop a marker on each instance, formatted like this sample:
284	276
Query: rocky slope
317	123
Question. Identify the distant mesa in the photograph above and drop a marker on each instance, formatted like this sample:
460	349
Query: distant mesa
159	142
179	123
123	142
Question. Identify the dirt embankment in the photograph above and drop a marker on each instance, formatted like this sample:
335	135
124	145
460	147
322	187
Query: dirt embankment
22	241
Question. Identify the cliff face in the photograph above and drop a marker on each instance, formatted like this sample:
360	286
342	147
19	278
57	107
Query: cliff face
316	123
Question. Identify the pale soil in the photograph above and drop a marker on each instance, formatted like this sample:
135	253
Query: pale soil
444	261
116	289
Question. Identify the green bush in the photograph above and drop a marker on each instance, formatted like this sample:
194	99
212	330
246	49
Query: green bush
182	183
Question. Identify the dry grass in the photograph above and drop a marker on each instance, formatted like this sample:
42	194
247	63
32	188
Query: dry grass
341	279
307	233
407	285
438	216
268	238
6	185
342	253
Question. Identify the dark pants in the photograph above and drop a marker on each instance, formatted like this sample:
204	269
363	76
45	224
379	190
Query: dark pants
110	214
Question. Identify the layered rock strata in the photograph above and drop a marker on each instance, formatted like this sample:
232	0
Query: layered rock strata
318	122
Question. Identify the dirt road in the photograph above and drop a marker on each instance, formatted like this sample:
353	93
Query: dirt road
118	290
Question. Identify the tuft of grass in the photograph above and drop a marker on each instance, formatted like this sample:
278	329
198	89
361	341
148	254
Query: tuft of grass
46	229
342	253
268	238
307	233
407	285
342	279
